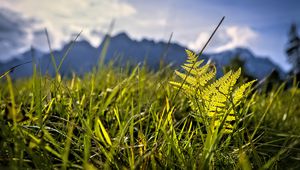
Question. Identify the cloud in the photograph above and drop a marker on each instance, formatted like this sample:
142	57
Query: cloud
14	34
200	41
63	19
238	36
228	38
161	22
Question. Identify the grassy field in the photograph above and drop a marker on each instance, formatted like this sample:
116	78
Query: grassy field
134	118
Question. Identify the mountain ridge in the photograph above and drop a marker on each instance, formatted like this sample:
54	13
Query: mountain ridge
83	57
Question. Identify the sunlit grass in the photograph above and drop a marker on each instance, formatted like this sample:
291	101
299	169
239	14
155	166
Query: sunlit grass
126	118
133	118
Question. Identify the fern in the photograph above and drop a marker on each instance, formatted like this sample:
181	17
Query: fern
214	100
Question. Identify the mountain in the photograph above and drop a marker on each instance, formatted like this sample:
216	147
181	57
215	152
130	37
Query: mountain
255	66
24	70
122	49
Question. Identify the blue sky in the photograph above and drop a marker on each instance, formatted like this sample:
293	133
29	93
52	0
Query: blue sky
260	25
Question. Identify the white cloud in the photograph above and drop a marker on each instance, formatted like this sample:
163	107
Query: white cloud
200	41
152	22
64	18
238	36
228	38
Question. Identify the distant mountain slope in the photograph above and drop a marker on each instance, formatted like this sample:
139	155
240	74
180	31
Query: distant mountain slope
83	57
128	50
256	66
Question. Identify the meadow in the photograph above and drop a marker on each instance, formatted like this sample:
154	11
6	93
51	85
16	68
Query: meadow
133	117
136	118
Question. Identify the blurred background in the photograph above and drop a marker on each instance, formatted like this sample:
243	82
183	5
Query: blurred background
262	35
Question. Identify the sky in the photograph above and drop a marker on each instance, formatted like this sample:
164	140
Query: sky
261	26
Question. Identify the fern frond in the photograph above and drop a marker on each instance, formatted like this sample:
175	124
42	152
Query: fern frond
239	93
203	70
212	88
234	77
227	85
194	71
192	57
191	64
204	78
186	88
214	99
189	79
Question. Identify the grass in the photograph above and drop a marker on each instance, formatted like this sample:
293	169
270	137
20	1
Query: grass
125	119
133	118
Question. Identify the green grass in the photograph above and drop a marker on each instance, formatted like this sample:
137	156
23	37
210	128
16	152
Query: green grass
133	118
121	118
